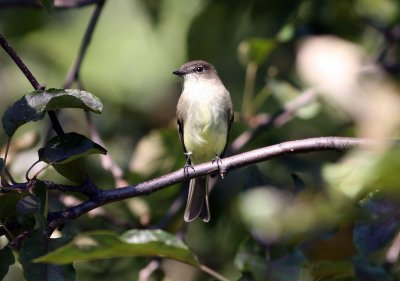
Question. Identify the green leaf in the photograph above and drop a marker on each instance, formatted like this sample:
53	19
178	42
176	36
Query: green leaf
6	259
255	50
66	152
73	170
68	147
33	106
38	245
105	244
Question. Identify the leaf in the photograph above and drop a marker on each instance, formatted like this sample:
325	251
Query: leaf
19	114
73	170
68	147
37	245
105	244
8	202
33	106
255	50
6	259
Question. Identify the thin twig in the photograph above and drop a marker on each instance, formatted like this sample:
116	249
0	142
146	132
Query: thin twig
73	73
10	51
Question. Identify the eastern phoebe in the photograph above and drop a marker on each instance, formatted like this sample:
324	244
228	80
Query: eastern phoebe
205	115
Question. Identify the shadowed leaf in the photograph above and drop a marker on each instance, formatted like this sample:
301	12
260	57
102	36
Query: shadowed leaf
37	245
34	105
68	147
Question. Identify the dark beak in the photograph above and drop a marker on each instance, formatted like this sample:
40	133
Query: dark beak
179	72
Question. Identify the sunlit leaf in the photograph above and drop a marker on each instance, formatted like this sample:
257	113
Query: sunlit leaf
6	259
38	245
68	147
34	105
104	244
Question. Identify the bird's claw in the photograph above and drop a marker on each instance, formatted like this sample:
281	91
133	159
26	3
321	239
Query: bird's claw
188	164
221	166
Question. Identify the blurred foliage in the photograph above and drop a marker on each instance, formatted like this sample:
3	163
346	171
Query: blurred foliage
320	216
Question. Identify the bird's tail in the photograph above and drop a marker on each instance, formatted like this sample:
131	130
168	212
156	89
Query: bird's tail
197	202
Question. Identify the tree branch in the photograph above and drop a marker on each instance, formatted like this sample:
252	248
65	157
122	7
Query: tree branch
230	163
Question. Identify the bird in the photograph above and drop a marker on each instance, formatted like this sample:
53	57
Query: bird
204	117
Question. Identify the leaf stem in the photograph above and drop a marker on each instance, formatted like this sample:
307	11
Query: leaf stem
213	273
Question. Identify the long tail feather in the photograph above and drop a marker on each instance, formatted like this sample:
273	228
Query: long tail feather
197	202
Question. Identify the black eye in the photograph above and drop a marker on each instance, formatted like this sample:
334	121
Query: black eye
199	69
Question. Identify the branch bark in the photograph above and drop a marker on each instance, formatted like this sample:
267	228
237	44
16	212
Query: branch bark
230	163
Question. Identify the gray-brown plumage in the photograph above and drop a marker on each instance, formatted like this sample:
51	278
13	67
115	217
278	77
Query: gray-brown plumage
205	115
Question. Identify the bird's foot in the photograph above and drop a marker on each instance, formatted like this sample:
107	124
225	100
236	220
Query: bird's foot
188	164
221	166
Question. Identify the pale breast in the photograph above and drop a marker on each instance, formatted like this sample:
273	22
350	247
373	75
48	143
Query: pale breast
206	122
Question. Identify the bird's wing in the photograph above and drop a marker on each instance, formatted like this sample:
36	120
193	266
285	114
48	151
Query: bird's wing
231	117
